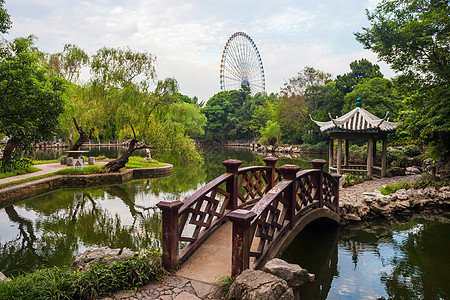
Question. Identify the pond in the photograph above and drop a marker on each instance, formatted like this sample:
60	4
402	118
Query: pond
402	258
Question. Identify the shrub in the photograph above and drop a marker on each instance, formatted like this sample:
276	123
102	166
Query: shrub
306	147
322	146
352	179
391	188
100	280
412	151
222	286
428	180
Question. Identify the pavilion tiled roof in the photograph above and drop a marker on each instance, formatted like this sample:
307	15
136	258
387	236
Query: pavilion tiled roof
357	120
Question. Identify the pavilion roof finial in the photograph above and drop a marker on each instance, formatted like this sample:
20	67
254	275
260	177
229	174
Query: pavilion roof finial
358	102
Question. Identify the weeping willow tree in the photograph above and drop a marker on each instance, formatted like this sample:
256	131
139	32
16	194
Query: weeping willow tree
123	100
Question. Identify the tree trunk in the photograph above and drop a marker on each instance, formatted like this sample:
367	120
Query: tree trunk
11	145
9	149
83	136
117	164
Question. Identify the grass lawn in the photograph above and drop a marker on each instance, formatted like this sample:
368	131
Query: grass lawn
134	162
27	170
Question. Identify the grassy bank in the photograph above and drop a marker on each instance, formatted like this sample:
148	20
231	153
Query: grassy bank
134	162
100	280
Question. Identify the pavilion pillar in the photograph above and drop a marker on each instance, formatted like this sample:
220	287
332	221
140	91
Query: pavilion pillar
374	151
370	157
383	158
330	155
339	156
346	153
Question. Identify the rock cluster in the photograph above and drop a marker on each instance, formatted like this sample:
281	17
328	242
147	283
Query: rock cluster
277	281
106	255
402	201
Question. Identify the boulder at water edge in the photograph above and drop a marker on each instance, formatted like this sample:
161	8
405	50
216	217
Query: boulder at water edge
255	284
293	274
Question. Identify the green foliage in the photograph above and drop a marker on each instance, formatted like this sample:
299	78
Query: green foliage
229	114
319	147
271	133
378	97
101	280
138	162
5	19
412	151
352	179
425	181
362	70
96	169
222	286
30	100
428	180
413	36
16	172
392	188
41	162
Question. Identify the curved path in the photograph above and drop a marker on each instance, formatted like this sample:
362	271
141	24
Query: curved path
44	169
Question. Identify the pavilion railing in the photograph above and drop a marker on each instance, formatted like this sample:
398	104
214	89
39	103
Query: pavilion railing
189	223
255	231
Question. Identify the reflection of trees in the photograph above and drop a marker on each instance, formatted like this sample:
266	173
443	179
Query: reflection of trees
420	262
421	270
28	250
315	249
56	234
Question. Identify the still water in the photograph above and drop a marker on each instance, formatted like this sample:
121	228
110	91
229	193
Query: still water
403	259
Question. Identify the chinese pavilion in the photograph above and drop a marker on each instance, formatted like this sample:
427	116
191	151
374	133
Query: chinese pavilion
356	125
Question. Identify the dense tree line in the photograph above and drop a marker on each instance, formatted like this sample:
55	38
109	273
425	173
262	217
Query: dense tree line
42	97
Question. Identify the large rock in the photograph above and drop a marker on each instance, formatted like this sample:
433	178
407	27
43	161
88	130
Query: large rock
293	274
255	284
106	255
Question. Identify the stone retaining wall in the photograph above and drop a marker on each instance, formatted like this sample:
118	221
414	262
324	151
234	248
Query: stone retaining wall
13	194
402	201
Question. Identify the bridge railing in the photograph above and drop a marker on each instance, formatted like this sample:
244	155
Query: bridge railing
192	221
255	231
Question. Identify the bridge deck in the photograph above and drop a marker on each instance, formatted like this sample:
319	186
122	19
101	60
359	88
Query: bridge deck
212	260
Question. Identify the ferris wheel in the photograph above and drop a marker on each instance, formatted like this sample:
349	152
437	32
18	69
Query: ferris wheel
241	64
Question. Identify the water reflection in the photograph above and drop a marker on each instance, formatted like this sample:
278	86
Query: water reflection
51	229
380	259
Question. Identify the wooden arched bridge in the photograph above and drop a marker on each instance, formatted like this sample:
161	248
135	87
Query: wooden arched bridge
267	207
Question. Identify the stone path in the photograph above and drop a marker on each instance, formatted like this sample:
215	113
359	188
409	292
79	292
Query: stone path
44	169
173	287
355	193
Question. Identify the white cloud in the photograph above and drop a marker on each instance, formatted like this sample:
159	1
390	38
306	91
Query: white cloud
188	37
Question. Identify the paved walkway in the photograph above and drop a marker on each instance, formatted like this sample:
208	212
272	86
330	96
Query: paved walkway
44	169
355	193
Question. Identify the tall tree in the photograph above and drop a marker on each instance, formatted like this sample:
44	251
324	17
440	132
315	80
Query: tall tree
378	96
414	37
361	70
5	19
30	100
294	106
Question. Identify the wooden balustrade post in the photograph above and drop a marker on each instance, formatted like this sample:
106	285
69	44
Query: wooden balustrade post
240	253
289	172
336	192
170	232
318	165
232	166
270	162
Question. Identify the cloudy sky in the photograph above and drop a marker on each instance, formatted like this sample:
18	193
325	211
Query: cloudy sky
188	36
